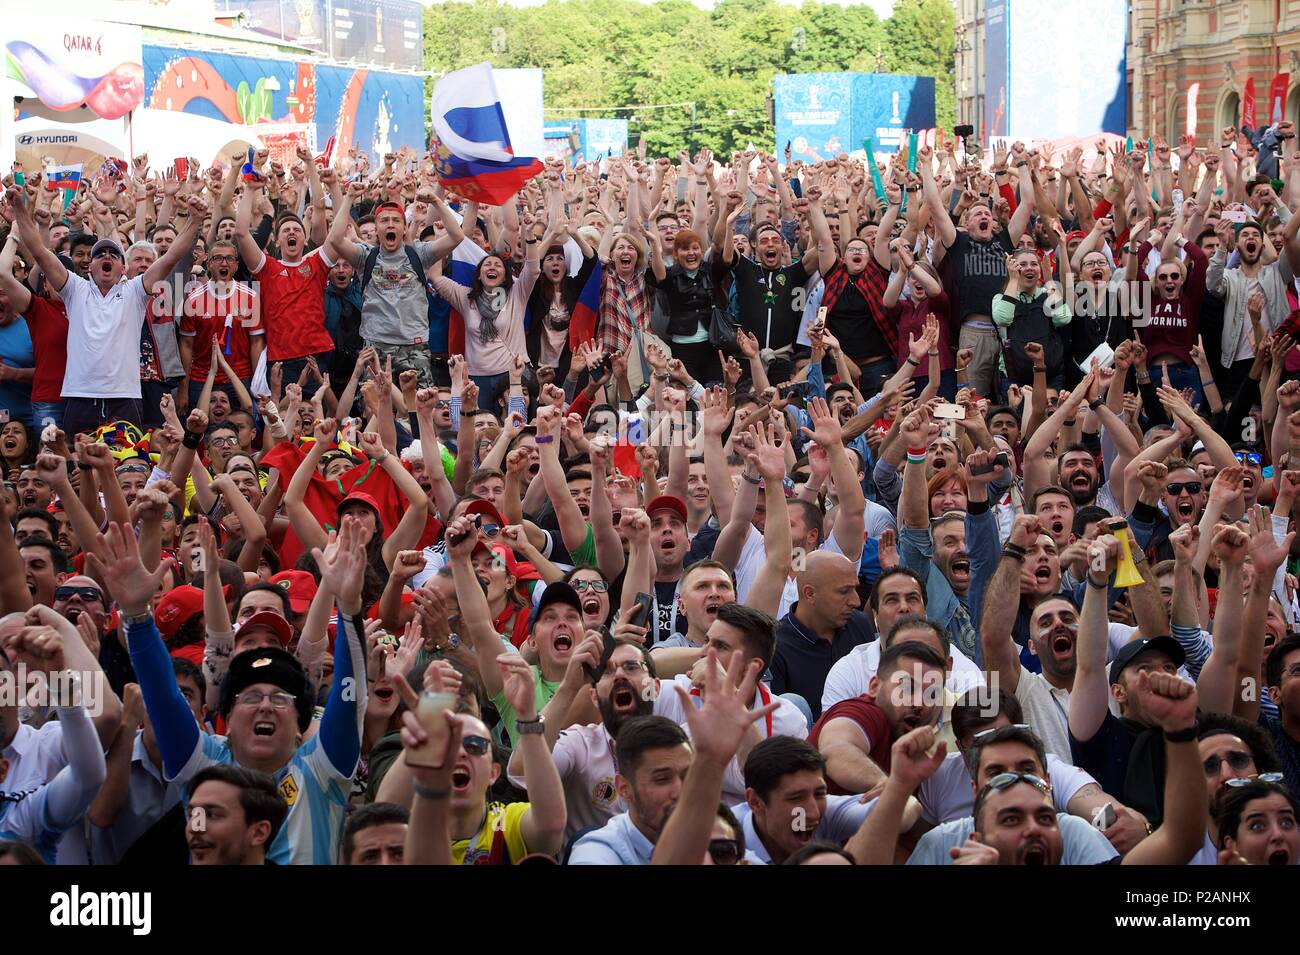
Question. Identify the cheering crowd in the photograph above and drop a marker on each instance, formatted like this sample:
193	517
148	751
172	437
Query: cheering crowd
673	511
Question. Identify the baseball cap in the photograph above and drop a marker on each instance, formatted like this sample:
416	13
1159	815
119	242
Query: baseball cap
270	621
109	246
556	593
667	502
176	607
394	206
267	665
361	497
1132	649
487	509
299	585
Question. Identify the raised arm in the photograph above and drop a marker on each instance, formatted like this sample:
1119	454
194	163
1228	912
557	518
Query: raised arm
1090	696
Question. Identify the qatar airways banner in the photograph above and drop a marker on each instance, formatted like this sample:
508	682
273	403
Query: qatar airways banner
67	63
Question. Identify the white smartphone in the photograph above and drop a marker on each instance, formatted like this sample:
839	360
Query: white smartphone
950	412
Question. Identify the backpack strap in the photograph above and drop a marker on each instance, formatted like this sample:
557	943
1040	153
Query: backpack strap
371	259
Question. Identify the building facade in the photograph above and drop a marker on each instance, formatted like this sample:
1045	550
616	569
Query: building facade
1217	43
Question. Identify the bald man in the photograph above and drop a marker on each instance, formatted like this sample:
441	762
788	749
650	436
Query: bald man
822	626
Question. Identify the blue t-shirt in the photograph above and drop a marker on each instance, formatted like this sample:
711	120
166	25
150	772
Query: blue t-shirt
16	351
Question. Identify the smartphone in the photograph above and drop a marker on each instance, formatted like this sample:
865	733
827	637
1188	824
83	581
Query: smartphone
640	612
456	539
595	673
1104	817
966	130
4	415
821	315
1236	215
950	412
1002	458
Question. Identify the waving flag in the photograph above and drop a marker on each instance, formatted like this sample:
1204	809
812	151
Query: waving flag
470	143
582	325
63	177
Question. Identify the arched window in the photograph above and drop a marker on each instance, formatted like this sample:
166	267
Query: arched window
1229	112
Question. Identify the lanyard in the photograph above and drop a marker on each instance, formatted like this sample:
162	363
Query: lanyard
672	617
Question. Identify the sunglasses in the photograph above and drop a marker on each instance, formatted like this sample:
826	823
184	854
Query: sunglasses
109	252
1249	457
1262	777
442	404
491	530
476	745
1004	780
1238	760
983	734
595	586
87	594
1191	487
724	851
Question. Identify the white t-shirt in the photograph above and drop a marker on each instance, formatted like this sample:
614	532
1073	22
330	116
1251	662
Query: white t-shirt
103	338
948	794
584	758
852	673
786	720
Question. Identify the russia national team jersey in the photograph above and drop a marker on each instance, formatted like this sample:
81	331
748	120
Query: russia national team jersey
317	794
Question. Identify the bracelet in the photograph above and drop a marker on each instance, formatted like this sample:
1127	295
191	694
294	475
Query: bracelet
933	354
1105	585
1143	379
1095	404
1042	368
1069	423
756	481
913	362
424	792
1013	551
545	438
915	458
1187	735
192	439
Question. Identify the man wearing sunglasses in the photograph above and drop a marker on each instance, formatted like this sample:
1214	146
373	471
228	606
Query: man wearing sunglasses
1233	751
78	595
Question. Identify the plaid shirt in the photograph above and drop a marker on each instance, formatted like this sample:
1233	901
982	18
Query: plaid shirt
624	308
871	283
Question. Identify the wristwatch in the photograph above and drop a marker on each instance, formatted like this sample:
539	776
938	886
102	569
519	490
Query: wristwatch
533	727
135	621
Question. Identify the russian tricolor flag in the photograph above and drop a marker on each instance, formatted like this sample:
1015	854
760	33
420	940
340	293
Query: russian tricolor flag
586	310
63	177
471	145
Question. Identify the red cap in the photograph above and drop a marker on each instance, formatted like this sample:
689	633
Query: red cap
300	586
271	621
1075	234
521	570
408	597
667	502
361	497
397	206
176	607
487	509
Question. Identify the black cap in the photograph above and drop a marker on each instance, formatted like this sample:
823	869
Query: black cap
1167	645
268	665
557	593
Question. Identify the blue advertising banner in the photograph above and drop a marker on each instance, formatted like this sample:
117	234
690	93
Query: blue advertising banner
597	138
885	104
814	114
997	69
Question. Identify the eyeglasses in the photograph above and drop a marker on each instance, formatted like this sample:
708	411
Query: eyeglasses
632	667
1004	780
1262	777
1249	457
222	442
1238	760
1176	488
476	745
87	594
279	701
221	258
989	732
442	404
595	586
724	851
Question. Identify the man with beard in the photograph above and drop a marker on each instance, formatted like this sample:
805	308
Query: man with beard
235	816
1014	821
31	490
265	699
1237	286
1053	629
770	296
292	290
954	554
395	304
584	754
907	691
